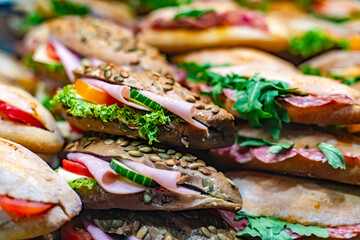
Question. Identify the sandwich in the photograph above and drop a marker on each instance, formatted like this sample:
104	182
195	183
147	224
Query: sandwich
302	150
119	224
272	97
233	56
25	121
112	100
77	41
211	24
130	174
279	207
34	200
340	65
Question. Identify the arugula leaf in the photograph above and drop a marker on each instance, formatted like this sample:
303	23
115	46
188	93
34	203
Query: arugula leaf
315	41
262	5
311	71
83	182
275	147
255	98
146	123
149	5
65	7
193	13
333	155
269	228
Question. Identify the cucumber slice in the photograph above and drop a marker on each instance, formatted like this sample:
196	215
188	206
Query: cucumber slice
145	101
130	174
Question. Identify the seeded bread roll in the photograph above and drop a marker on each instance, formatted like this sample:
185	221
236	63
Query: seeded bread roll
298	200
185	225
23	175
45	140
217	191
236	56
182	39
177	133
299	164
108	42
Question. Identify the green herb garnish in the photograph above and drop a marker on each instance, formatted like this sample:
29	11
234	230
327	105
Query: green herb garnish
82	183
274	147
193	13
262	5
255	97
315	41
146	122
317	72
149	5
274	229
333	155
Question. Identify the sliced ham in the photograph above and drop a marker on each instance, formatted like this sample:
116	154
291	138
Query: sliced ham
119	92
316	101
342	232
95	232
68	59
166	178
183	109
245	154
105	176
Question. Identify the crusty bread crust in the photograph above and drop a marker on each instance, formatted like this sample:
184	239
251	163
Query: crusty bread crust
179	40
236	56
25	176
298	200
48	140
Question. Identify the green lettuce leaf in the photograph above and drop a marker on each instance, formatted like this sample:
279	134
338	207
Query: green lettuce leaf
146	122
269	228
313	42
82	183
333	155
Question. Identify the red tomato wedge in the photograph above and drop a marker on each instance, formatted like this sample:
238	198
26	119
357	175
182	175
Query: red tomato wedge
74	230
23	207
76	168
75	129
16	114
50	50
94	94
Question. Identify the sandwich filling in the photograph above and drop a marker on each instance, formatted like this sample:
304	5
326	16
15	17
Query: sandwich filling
273	228
209	18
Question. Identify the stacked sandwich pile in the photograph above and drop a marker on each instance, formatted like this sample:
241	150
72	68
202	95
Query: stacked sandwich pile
140	137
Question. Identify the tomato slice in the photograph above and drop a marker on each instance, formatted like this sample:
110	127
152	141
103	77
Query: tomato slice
15	114
74	230
75	129
50	50
76	168
23	207
94	94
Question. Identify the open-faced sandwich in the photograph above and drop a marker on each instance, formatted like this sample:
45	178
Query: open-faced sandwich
212	24
278	207
34	200
272	97
110	99
25	121
76	41
120	224
129	174
300	150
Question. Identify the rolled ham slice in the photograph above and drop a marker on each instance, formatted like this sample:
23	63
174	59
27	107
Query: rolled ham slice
104	175
167	179
182	109
342	232
95	232
68	59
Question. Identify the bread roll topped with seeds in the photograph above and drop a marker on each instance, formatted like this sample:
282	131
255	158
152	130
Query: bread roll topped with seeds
110	99
185	225
130	174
